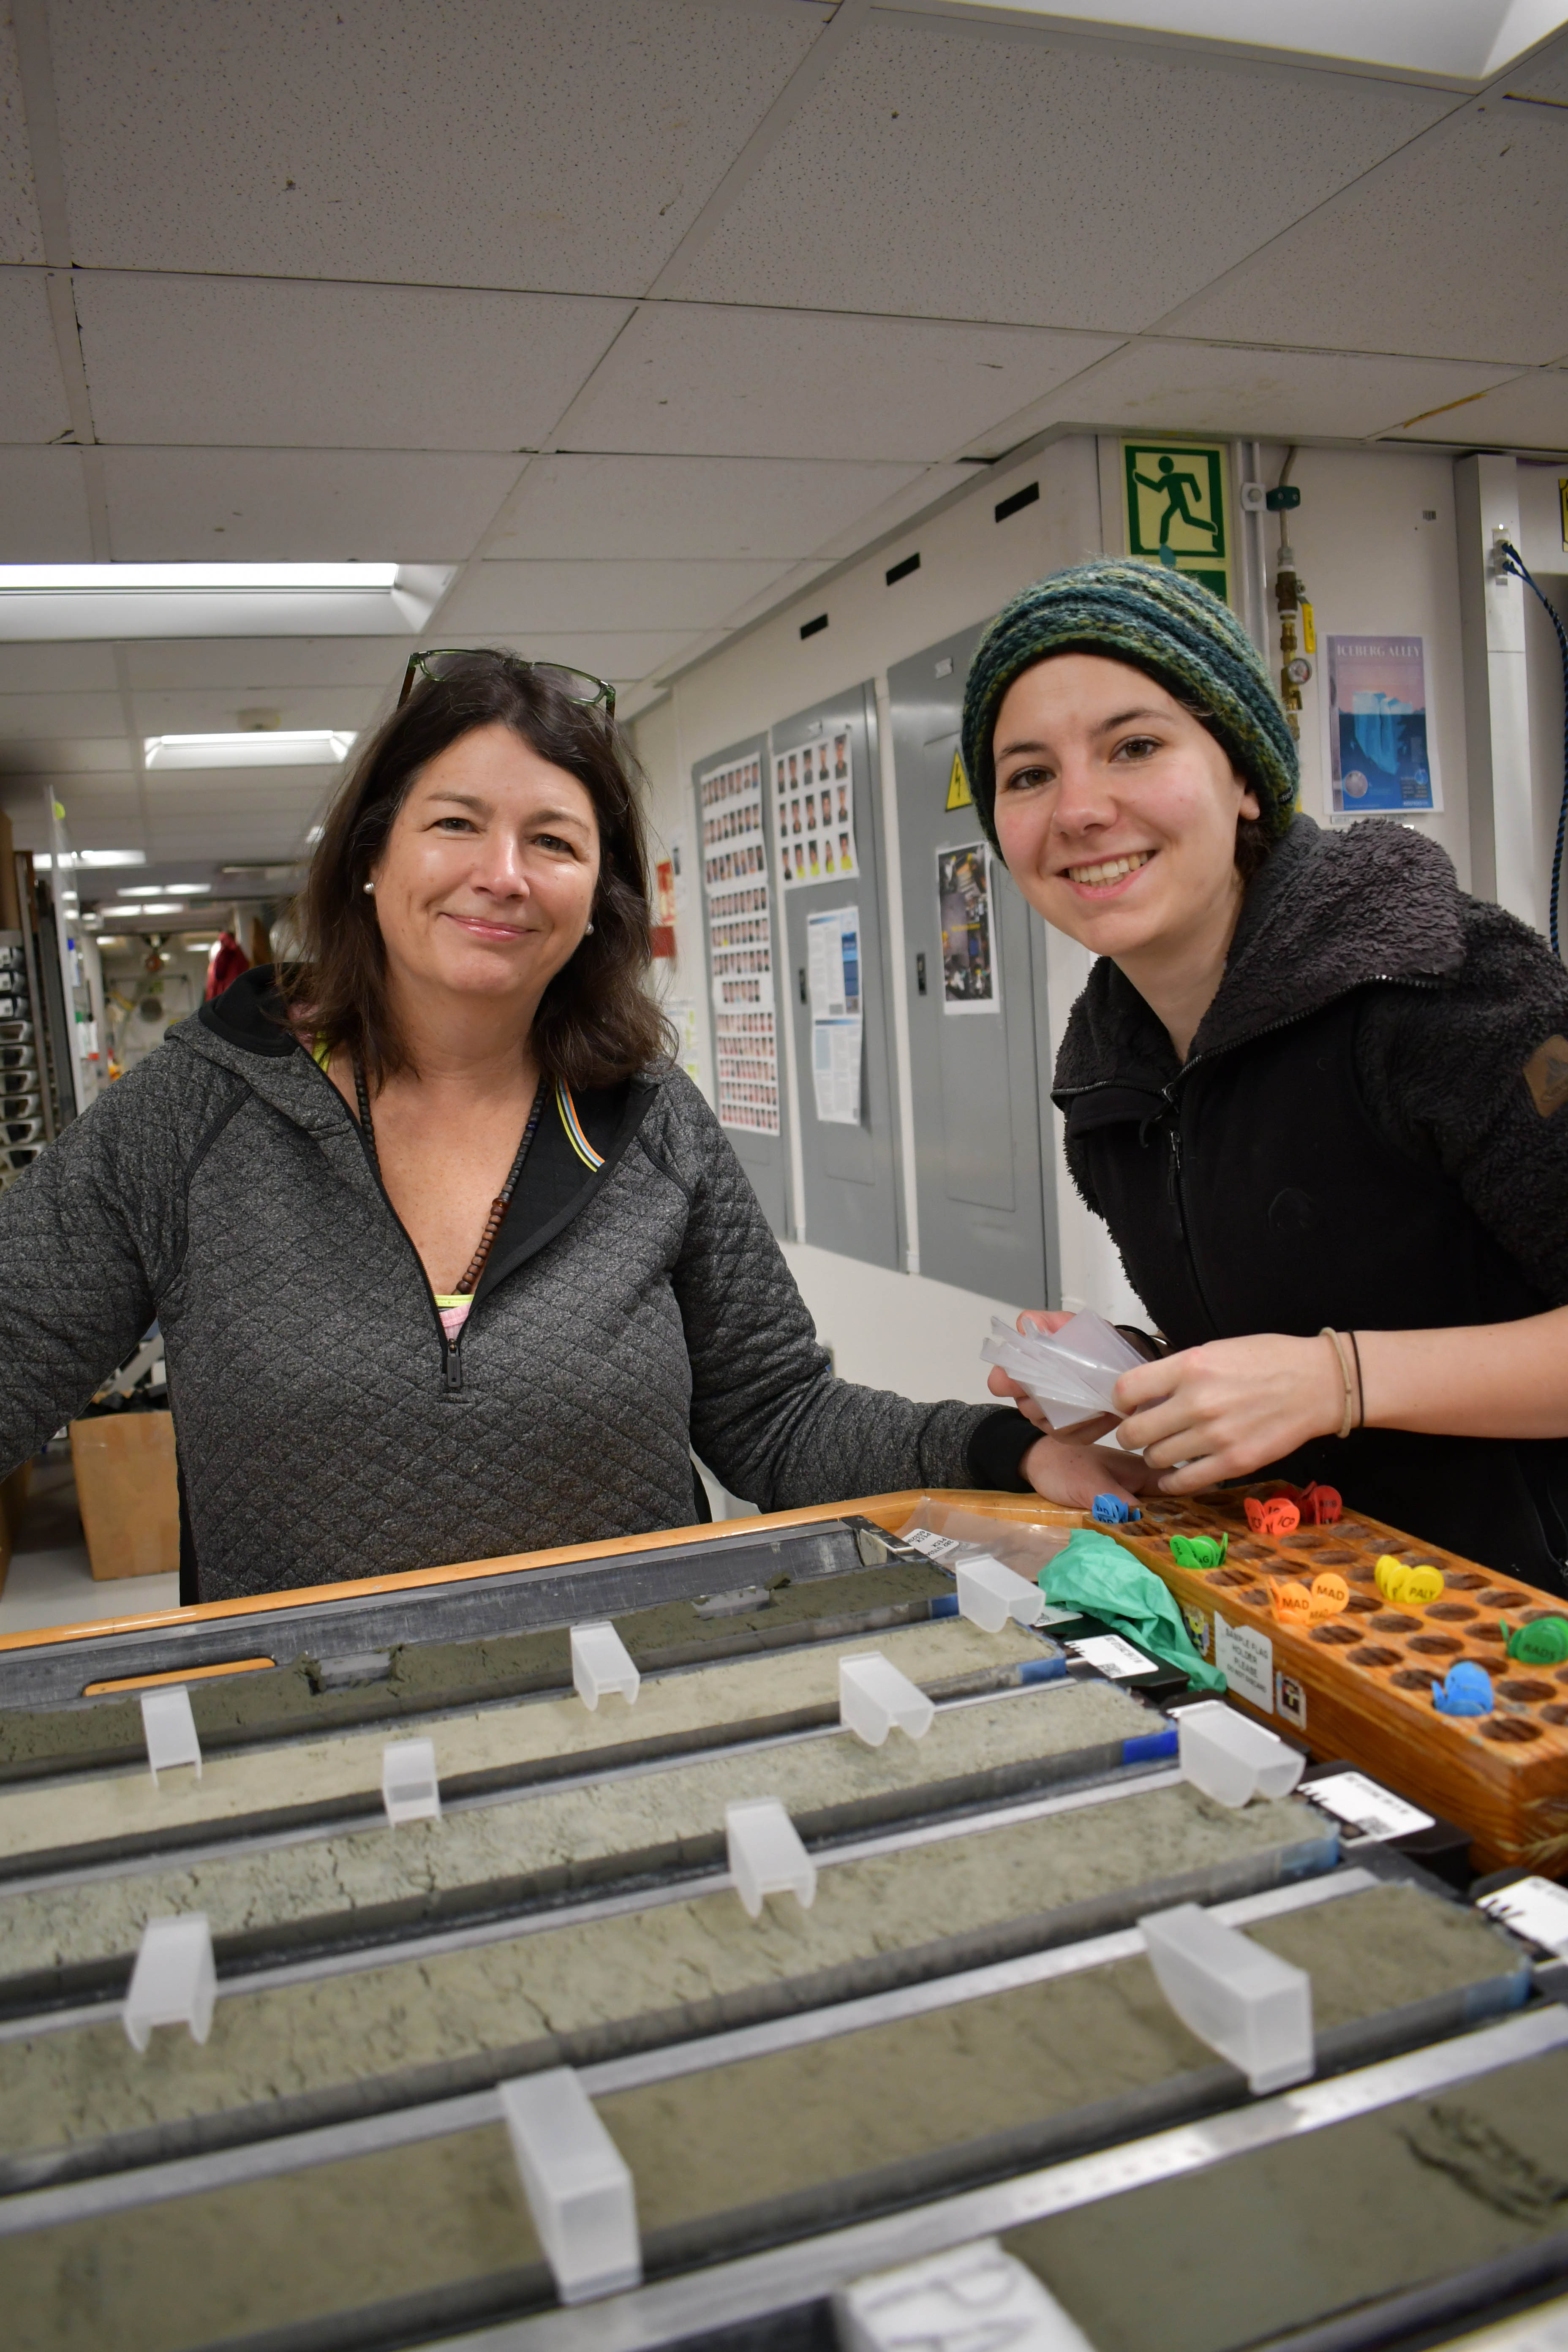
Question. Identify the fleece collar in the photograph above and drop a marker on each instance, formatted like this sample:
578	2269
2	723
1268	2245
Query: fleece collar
1327	912
581	1138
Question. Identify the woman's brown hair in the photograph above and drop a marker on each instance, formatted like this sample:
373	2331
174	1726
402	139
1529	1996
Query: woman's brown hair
596	1023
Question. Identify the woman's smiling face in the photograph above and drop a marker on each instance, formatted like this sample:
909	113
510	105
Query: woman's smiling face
1116	809
487	881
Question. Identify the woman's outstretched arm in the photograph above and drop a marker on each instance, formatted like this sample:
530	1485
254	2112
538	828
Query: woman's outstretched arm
1228	1408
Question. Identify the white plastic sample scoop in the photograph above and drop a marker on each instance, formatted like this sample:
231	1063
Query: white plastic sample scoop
1251	2006
170	1729
600	1662
1233	1760
989	1594
874	1697
766	1856
174	1981
578	2185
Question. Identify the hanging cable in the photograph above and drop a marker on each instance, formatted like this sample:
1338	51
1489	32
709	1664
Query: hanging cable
1509	560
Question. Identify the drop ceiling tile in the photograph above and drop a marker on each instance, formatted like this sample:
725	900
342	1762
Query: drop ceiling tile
189	711
25	716
262	362
20	239
300	505
1458	246
1172	387
258	666
32	395
43	507
520	598
58	755
970	174
417	140
781	383
621	507
1531	412
622	656
57	670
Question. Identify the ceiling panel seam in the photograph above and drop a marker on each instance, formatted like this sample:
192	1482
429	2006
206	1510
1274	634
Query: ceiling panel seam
1162	330
813	68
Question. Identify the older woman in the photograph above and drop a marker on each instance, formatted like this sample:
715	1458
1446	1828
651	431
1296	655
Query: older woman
449	1261
1319	1094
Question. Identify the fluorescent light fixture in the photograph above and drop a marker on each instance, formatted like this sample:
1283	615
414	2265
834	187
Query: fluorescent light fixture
175	579
86	857
1468	40
144	907
254	746
78	600
167	891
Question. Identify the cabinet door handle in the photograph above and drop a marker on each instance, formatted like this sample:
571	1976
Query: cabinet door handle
920	975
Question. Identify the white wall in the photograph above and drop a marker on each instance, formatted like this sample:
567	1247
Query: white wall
1541	544
1372	562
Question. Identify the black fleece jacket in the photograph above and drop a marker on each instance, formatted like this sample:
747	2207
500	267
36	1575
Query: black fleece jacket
1371	1131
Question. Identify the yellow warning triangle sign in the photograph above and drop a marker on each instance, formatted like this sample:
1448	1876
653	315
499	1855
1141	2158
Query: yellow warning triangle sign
958	793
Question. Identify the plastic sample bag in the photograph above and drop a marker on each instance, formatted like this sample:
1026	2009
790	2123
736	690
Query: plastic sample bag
1071	1373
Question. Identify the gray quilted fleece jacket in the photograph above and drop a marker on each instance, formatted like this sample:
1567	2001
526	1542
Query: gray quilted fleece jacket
327	1430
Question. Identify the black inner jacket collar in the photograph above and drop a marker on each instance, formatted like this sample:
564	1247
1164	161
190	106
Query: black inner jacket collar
1326	913
556	1184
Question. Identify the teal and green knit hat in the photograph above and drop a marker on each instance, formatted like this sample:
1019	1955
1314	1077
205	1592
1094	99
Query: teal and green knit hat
1160	622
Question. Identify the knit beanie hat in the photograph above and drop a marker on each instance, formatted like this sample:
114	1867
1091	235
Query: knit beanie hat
1159	621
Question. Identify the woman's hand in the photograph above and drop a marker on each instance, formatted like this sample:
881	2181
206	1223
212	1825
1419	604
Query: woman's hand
1227	1408
1074	1474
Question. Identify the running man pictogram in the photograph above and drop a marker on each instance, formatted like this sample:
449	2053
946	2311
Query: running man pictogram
1176	487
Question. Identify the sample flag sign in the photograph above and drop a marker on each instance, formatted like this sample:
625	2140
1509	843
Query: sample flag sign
1379	755
1176	507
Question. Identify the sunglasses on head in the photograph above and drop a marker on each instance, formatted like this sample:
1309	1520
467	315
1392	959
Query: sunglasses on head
576	685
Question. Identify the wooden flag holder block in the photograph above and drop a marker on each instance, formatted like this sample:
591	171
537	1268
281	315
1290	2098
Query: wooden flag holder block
1358	1684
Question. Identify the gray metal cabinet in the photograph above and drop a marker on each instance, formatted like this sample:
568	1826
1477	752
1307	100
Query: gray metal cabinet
975	979
738	884
850	1171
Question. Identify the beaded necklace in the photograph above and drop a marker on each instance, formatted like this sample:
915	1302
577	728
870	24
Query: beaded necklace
470	1281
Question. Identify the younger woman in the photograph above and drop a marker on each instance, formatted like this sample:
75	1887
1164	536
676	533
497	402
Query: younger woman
1319	1094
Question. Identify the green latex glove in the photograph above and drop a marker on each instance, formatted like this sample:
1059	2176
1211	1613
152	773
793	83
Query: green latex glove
1093	1573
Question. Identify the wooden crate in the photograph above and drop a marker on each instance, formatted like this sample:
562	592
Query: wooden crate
128	1490
1360	1685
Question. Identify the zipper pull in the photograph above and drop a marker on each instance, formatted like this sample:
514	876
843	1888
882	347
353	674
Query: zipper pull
453	1364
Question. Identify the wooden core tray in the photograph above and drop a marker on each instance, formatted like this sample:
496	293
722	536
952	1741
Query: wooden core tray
1360	1685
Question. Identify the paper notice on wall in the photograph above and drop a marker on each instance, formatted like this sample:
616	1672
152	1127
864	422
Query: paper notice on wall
1379	753
970	980
833	981
740	938
813	805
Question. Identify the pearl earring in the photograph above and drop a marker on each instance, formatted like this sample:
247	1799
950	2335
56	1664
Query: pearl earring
370	887
589	932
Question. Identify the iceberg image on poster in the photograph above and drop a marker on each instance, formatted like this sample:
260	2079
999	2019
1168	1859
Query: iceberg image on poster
1379	757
